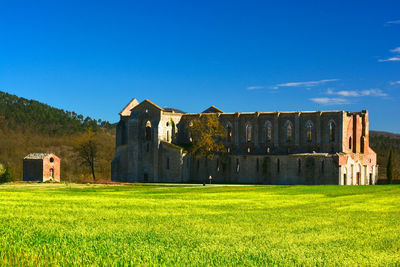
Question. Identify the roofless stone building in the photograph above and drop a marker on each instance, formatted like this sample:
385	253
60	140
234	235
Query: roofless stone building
41	167
317	147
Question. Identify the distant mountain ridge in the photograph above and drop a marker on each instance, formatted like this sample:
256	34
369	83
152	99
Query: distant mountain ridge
19	112
382	142
382	133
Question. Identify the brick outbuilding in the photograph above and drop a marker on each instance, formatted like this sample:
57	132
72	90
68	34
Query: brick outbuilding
41	167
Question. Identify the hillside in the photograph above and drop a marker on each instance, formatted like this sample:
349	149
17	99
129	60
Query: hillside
381	143
28	126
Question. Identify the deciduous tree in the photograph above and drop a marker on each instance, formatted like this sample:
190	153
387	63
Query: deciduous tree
208	137
86	149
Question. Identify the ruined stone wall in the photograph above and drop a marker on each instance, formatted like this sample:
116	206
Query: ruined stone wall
173	164
252	169
279	142
167	128
313	154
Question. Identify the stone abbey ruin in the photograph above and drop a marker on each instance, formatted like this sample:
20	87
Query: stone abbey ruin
317	147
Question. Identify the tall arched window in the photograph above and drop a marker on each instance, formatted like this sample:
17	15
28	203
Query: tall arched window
229	133
289	131
278	165
350	140
332	131
268	131
248	132
309	128
190	124
362	144
148	131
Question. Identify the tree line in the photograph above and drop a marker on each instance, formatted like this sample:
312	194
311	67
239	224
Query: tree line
28	126
387	148
21	114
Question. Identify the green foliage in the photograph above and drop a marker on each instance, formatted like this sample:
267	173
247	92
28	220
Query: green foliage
153	225
28	126
7	174
389	168
381	144
20	113
2	169
208	135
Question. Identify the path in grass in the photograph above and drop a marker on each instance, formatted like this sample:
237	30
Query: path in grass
195	225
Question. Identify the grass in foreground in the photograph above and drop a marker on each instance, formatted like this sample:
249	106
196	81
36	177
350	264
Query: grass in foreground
187	225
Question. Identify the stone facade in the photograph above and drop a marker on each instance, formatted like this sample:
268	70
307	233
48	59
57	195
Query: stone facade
319	147
41	167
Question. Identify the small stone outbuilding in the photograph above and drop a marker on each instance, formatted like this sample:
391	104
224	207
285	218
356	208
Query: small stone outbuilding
41	167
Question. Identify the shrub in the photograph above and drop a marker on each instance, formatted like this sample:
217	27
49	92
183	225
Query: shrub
8	175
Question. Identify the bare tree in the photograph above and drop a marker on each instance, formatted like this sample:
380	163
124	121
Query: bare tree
86	149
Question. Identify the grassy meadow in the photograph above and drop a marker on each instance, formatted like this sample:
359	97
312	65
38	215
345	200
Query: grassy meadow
59	224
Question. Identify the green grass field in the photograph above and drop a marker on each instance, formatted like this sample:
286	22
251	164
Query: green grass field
53	224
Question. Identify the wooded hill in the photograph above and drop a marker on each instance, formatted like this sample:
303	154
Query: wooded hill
28	126
382	143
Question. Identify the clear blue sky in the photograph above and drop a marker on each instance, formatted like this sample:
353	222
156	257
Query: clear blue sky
92	57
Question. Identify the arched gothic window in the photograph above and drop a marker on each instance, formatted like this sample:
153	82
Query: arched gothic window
289	131
350	142
148	131
362	144
229	133
248	132
309	128
190	124
278	165
332	131
268	131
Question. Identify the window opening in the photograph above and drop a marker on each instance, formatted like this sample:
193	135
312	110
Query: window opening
248	132
332	131
148	131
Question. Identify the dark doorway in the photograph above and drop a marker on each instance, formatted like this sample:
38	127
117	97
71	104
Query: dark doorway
145	177
358	178
370	178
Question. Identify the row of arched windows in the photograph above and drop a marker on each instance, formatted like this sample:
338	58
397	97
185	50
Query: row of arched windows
288	131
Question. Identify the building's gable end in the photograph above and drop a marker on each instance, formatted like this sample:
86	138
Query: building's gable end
126	111
146	104
213	109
